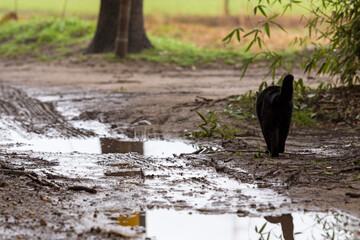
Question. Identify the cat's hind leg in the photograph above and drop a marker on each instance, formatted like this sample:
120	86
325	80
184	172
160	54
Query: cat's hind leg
283	133
271	135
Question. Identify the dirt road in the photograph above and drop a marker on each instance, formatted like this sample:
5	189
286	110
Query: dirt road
89	149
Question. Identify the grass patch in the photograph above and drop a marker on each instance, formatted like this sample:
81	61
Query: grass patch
167	50
46	38
54	6
183	7
32	37
185	54
303	118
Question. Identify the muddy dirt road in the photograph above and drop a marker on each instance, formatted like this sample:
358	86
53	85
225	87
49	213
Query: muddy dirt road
94	151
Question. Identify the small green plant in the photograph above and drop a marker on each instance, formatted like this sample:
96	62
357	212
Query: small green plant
239	154
319	161
303	117
358	177
263	235
259	152
211	128
328	173
242	107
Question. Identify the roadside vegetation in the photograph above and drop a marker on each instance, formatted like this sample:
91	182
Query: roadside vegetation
45	38
54	38
186	33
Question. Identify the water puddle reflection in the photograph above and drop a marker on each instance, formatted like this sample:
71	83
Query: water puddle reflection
179	225
156	148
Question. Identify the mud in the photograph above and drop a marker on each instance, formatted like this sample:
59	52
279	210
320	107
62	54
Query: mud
74	163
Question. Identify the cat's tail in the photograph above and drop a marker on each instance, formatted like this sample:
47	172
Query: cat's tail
287	90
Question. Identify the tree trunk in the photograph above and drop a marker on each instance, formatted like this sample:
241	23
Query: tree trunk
122	33
226	8
104	39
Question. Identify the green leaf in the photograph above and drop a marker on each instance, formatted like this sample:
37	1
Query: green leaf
245	65
262	228
228	37
201	116
267	29
262	10
249	33
259	42
238	35
273	16
249	46
275	23
328	173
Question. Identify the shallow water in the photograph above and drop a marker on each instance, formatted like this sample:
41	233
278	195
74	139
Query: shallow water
179	225
156	148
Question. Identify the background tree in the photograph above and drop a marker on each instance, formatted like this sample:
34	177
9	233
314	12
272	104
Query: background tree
226	8
336	21
105	35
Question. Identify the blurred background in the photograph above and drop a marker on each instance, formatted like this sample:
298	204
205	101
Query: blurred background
178	27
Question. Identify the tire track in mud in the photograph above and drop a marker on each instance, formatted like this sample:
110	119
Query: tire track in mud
35	116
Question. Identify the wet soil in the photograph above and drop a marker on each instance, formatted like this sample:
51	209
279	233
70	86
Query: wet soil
84	193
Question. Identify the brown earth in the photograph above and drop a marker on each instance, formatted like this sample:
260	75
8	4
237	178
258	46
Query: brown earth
317	172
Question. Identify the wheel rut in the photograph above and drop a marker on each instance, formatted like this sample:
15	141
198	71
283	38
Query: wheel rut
35	116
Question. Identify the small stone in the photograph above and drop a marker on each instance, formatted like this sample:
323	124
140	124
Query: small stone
43	222
142	122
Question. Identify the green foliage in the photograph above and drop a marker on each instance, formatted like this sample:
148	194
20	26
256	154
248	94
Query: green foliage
259	152
168	50
303	118
358	177
305	98
263	235
31	37
20	38
210	128
339	58
242	107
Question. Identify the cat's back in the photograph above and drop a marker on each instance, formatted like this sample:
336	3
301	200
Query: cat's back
268	94
264	102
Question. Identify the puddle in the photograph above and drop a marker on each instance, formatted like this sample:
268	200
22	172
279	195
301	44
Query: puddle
179	225
156	148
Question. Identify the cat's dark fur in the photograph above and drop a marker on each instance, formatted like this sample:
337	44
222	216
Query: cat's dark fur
274	108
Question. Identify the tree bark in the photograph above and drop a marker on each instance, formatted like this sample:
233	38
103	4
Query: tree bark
226	8
122	34
105	35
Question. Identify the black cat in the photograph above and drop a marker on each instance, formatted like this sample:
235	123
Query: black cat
274	109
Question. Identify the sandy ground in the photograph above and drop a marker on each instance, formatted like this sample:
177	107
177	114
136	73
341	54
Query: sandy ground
44	194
